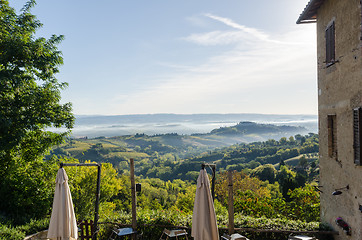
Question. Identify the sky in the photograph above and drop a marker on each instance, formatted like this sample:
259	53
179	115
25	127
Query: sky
190	56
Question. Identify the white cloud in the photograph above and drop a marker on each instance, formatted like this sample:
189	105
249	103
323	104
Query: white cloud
240	33
216	38
257	75
252	31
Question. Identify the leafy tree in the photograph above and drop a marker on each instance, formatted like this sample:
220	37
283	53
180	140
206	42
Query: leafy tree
286	180
29	189
123	198
29	105
303	162
265	172
29	91
185	201
249	203
83	182
282	163
301	178
292	140
305	203
155	205
242	183
283	141
313	164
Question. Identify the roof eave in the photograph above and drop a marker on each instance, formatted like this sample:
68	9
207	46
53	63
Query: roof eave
307	21
309	15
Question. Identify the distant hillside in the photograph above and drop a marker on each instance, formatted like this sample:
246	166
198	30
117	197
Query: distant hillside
151	124
244	128
171	156
246	132
243	132
202	118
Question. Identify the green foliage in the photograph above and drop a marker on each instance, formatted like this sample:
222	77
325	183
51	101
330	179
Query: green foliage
256	198
10	233
287	181
185	201
28	189
168	163
265	172
241	183
305	203
157	194
250	204
251	127
19	232
29	92
151	223
274	223
29	104
171	203
82	184
34	226
282	224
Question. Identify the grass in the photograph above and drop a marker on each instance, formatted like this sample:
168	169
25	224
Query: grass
78	147
128	154
295	160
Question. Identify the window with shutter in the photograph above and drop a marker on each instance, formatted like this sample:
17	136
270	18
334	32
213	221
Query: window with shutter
357	135
330	44
332	136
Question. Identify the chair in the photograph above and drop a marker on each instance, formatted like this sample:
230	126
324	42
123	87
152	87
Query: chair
301	237
121	232
174	233
235	236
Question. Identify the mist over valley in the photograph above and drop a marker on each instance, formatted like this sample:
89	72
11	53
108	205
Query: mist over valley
185	124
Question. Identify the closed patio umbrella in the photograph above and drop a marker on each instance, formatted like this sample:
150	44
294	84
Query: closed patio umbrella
63	225
204	225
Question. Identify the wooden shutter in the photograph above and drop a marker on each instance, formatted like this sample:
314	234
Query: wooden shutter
330	44
332	136
357	135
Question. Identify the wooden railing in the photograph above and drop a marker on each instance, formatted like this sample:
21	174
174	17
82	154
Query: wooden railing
86	230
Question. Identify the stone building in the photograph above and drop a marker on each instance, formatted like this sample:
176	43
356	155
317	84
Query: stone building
339	53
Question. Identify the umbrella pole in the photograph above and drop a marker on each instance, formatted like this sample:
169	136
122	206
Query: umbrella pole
213	168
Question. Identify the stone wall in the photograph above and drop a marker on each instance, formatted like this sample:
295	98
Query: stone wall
339	91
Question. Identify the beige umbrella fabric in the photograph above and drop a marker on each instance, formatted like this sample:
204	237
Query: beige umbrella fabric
63	225
204	225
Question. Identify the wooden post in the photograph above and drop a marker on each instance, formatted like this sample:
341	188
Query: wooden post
96	208
133	194
213	167
231	203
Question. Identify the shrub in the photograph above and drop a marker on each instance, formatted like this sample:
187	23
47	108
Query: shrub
151	223
34	226
10	233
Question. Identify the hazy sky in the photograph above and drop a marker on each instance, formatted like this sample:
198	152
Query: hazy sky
185	56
